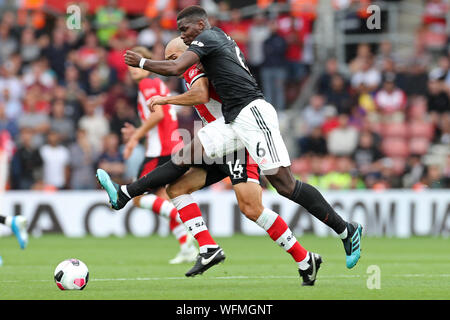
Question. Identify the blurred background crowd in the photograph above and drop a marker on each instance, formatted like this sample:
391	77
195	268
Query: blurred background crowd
375	117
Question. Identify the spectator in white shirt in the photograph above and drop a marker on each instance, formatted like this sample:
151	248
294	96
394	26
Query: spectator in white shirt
95	124
367	76
10	82
258	32
390	99
343	140
315	113
56	159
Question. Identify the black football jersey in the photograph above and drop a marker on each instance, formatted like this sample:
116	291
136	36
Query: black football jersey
225	67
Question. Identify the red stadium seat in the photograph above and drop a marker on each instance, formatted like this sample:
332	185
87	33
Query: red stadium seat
394	130
328	164
418	110
395	147
421	130
301	165
419	145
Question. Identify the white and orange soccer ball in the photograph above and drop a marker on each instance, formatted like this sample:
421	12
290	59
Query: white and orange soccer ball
71	274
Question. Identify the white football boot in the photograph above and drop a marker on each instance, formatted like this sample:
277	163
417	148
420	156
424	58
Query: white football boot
188	252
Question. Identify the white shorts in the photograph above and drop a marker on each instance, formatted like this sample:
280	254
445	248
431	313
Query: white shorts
255	128
219	139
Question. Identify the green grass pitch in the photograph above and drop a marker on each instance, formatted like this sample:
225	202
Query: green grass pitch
255	268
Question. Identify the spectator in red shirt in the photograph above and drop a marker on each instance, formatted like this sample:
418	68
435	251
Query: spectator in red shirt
434	24
434	14
237	28
89	54
295	31
122	40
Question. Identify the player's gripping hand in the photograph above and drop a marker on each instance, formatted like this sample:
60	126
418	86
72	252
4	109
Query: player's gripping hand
132	58
156	101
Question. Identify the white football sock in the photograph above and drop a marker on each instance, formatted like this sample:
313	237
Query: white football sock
304	264
343	234
8	221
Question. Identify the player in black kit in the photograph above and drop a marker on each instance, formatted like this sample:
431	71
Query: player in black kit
249	121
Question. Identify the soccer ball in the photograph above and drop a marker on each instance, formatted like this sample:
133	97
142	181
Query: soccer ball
71	274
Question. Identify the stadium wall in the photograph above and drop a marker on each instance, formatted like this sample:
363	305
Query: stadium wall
392	213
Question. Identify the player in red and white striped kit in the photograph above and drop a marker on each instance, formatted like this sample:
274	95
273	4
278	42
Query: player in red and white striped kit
243	172
160	128
241	169
249	119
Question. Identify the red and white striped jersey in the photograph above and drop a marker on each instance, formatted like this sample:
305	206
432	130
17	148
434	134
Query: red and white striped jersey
211	110
163	139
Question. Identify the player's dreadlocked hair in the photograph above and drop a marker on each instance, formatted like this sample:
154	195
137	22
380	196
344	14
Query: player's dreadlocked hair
196	12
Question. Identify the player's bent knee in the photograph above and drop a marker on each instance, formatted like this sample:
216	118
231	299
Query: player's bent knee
283	181
285	191
284	187
171	192
177	190
281	187
250	210
174	191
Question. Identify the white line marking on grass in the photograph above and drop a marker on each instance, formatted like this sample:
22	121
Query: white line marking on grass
410	275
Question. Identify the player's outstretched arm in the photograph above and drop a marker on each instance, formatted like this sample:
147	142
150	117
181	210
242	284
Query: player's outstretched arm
197	94
163	67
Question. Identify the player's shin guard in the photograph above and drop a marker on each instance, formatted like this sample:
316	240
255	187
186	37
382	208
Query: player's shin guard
157	178
191	216
279	232
165	208
312	200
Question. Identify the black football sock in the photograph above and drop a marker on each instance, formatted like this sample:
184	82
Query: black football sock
159	177
312	200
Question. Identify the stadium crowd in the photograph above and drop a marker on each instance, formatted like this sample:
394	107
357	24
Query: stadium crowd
380	122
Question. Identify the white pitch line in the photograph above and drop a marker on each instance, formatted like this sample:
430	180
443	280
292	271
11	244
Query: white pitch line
242	277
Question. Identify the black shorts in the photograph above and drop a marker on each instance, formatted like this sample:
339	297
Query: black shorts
150	163
240	168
